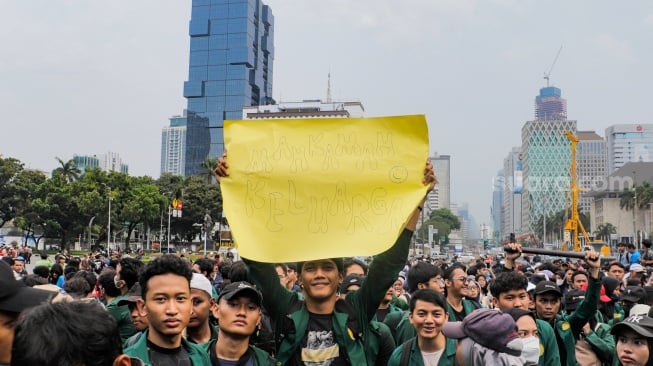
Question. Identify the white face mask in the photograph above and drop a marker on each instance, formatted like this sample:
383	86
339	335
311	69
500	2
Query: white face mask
530	353
560	282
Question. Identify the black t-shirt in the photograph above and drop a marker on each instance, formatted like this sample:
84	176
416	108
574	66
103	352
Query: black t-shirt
381	313
460	315
319	347
246	360
168	357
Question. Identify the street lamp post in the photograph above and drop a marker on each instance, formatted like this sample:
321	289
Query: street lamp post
109	221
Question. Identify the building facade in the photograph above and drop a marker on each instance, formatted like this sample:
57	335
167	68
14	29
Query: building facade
305	109
512	185
230	67
497	207
550	105
592	160
173	146
85	162
440	197
546	160
109	162
628	143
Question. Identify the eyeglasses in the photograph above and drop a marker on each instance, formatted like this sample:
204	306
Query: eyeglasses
473	287
463	279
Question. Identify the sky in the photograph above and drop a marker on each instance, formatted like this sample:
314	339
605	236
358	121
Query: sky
88	77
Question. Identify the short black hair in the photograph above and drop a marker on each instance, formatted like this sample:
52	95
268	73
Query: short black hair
130	270
165	264
42	271
448	273
508	281
421	272
238	272
105	279
92	339
206	265
348	262
618	264
77	287
631	246
32	280
577	272
428	295
284	267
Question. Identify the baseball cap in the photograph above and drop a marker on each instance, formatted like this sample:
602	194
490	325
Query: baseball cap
133	295
351	280
573	298
547	286
236	288
200	282
639	309
636	267
490	328
15	296
634	294
640	324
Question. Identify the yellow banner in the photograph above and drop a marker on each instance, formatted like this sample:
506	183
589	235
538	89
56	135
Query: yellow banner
305	189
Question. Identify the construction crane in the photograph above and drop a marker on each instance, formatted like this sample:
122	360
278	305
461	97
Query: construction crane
547	75
573	224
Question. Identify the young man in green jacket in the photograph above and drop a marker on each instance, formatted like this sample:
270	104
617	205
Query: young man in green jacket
509	291
428	314
239	313
568	328
321	327
167	304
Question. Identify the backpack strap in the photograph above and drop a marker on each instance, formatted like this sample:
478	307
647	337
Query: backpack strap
405	352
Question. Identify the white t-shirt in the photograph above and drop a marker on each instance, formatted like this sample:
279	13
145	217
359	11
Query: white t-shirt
432	358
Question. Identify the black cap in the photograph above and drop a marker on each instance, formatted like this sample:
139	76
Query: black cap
547	286
15	296
640	324
133	295
634	294
236	288
351	280
573	298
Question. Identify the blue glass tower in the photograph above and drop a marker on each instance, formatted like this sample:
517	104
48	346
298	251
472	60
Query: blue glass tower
230	67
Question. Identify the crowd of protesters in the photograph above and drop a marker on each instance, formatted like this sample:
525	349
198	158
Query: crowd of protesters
392	309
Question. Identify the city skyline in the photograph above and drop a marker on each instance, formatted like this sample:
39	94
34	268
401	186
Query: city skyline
74	81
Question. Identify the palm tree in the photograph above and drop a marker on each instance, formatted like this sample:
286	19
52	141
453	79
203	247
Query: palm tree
68	170
627	199
208	166
605	230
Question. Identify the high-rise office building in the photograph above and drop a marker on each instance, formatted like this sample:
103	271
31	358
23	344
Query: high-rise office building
511	213
230	67
306	109
497	206
546	158
440	196
592	163
173	146
108	162
629	143
550	105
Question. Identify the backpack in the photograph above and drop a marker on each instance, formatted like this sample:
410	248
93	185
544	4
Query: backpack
405	352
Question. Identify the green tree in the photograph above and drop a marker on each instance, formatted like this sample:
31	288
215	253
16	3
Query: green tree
68	170
10	199
443	220
208	166
604	231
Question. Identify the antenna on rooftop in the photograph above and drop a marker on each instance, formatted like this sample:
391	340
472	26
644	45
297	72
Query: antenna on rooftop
547	75
329	88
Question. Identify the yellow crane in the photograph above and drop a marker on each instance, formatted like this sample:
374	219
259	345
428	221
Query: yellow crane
573	224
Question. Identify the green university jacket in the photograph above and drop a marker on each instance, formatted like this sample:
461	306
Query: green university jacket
448	357
197	355
123	318
290	316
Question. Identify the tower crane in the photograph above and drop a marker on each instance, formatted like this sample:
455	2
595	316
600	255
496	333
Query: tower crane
547	75
573	224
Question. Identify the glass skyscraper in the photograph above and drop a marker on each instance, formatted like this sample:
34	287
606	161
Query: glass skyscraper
230	67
